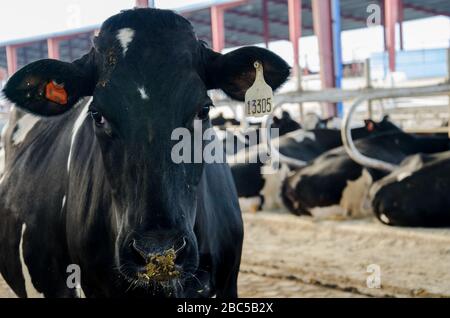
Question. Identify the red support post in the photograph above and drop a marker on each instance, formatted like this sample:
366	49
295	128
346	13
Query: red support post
400	22
323	30
53	48
142	3
295	29
383	23
266	22
217	28
391	18
11	59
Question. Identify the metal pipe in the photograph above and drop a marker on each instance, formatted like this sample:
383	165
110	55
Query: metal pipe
380	94
272	150
350	147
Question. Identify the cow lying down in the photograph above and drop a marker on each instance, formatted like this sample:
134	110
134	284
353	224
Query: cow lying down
257	190
416	194
335	186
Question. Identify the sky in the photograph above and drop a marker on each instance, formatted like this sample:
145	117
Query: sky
26	18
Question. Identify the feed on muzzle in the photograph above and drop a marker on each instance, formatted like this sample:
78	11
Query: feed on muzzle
160	267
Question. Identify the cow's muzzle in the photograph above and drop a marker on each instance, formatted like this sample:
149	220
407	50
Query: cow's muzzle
159	267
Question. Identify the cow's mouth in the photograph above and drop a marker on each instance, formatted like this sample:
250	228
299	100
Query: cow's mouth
161	284
160	267
159	275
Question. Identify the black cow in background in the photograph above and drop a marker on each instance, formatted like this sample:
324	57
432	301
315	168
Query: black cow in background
92	183
222	122
334	185
300	144
235	141
416	194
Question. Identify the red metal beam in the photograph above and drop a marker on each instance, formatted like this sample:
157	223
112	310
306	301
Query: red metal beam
383	23
425	9
11	59
295	30
323	28
232	4
141	3
266	22
400	22
217	29
321	10
235	29
271	20
391	18
53	48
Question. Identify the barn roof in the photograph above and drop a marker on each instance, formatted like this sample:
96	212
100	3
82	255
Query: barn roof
243	24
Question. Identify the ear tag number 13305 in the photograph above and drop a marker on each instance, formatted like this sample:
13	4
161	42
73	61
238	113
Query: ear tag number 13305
259	97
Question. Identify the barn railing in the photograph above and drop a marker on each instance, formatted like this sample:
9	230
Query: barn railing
339	95
353	152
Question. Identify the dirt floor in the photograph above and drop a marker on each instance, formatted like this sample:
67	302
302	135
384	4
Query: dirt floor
288	256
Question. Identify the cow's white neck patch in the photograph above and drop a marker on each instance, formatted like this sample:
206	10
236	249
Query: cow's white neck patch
23	127
2	160
250	204
125	36
328	212
142	92
272	188
63	202
76	127
384	218
403	175
29	287
355	196
300	135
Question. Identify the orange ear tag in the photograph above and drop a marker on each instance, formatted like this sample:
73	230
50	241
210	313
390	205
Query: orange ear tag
56	93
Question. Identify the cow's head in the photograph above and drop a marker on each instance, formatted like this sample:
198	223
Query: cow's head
285	123
148	75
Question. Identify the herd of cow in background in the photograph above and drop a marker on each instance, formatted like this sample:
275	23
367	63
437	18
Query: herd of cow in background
333	186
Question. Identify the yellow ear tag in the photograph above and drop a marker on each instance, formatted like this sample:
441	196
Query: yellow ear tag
259	97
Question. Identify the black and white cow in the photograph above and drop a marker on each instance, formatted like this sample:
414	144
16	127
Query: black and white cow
221	122
236	140
416	194
301	145
92	182
334	185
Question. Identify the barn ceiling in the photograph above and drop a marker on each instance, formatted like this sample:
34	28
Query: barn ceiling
243	25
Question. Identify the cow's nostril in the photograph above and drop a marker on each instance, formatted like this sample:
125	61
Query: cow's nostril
142	255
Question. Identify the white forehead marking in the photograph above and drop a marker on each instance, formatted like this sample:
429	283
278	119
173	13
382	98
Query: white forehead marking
24	125
29	287
125	36
143	93
76	127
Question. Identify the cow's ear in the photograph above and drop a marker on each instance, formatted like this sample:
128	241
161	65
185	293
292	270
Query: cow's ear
51	87
234	72
370	124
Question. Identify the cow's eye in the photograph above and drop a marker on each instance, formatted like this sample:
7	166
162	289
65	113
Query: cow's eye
97	117
204	111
